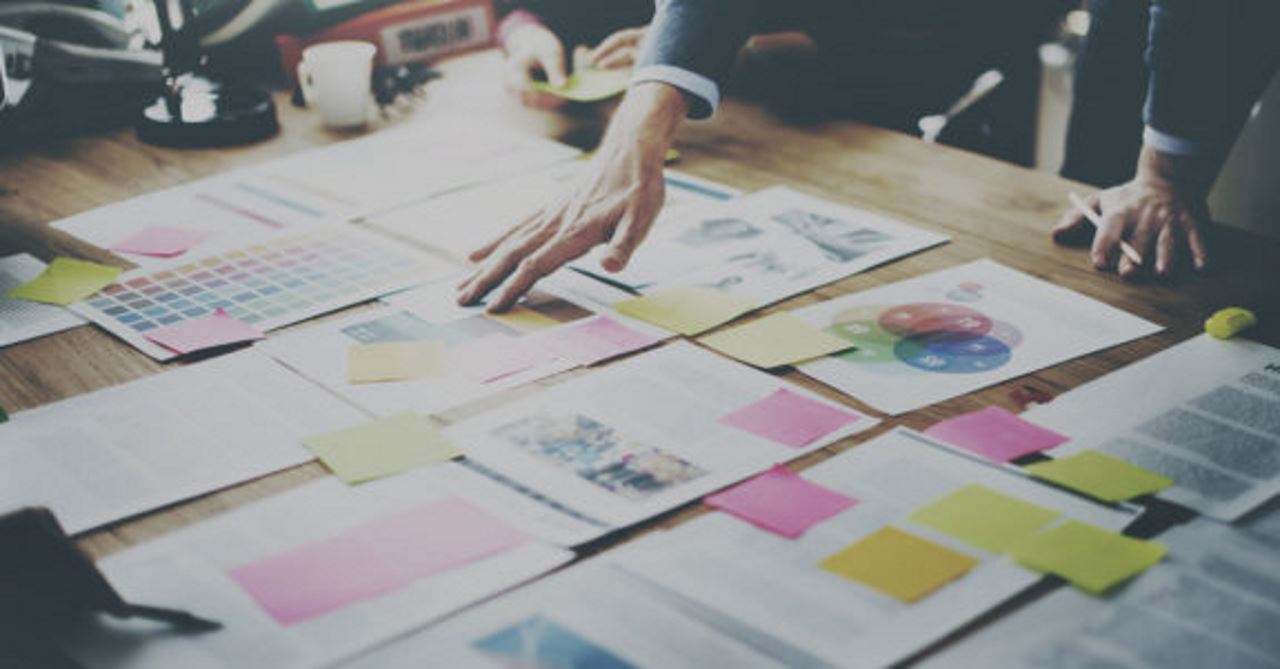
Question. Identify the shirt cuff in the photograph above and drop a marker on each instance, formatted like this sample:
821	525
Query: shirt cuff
704	93
1166	143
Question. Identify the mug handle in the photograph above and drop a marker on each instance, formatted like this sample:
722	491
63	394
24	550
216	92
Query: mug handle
310	94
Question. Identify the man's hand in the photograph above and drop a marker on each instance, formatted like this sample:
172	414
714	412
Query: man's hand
618	50
614	202
1161	213
531	49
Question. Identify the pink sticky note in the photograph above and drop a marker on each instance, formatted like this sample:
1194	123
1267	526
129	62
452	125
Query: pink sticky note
789	419
496	357
597	339
196	334
995	434
371	560
160	241
781	502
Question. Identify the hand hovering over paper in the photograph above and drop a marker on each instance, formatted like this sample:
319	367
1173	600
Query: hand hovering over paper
1161	213
614	202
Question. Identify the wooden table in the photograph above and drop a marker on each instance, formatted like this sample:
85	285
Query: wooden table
990	209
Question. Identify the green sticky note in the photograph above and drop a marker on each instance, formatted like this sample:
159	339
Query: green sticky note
1101	476
775	340
899	564
1091	558
66	280
589	84
982	517
686	310
381	448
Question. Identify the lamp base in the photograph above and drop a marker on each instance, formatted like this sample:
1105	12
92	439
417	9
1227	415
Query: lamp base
201	112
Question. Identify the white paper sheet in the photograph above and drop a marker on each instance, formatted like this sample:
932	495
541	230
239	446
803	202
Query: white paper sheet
21	320
941	335
592	615
632	440
127	449
1205	413
766	246
773	588
339	182
461	221
1213	602
189	570
431	312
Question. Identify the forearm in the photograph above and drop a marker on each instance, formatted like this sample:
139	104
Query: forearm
645	124
1190	176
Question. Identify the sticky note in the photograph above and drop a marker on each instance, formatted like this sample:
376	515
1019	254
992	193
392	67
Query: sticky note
899	564
524	319
66	280
497	357
197	334
1099	475
374	559
996	434
982	517
686	310
1091	558
775	340
160	241
789	419
381	448
598	338
589	84
781	502
395	361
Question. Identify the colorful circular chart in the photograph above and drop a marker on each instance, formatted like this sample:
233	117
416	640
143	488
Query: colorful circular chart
928	336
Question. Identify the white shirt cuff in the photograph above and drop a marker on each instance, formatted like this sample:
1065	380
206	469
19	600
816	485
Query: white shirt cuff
1166	143
692	83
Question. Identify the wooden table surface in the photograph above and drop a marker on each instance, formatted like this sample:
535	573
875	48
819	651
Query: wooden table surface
990	210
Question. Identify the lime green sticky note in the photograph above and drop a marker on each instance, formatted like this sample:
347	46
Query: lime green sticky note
589	84
686	310
899	564
1099	475
775	340
66	280
1091	558
982	517
381	448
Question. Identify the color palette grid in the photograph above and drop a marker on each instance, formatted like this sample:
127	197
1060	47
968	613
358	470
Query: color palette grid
266	285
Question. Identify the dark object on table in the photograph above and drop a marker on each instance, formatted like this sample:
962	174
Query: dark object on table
47	583
195	109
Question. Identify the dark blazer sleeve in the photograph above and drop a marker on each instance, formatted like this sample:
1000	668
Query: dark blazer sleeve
1209	61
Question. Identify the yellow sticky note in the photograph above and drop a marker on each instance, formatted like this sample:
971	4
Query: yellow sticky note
524	319
899	564
1091	558
775	340
982	517
395	361
686	310
589	84
1099	475
381	448
66	280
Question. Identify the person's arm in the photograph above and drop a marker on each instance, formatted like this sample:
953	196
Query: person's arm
1208	62
691	46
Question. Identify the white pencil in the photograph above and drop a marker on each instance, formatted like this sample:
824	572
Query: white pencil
1080	205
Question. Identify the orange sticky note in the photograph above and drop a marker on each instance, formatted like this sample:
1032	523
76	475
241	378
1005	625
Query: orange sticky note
899	564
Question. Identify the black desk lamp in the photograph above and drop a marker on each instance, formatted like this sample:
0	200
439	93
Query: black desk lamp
195	109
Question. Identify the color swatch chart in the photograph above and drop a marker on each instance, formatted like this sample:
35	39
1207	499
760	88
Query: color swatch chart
266	285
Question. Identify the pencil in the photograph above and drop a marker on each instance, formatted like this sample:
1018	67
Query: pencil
1079	203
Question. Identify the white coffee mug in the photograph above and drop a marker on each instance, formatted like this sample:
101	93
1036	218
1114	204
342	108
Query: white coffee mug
335	78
